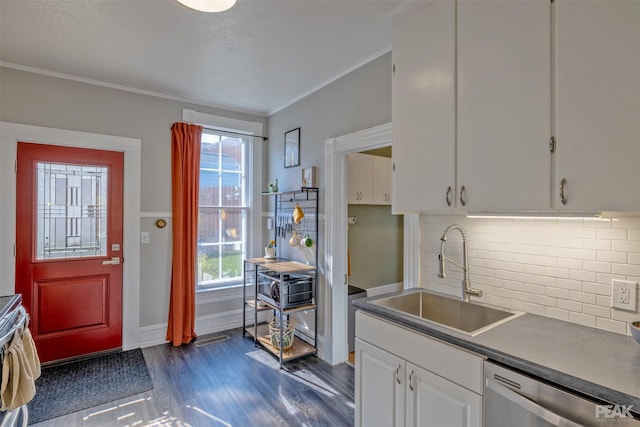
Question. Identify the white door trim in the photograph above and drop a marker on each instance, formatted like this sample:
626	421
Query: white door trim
336	244
10	134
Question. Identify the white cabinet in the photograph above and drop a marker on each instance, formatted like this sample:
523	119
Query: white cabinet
423	108
434	401
406	378
504	104
381	180
472	131
369	179
598	105
380	387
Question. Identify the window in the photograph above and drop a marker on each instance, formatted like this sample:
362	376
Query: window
224	209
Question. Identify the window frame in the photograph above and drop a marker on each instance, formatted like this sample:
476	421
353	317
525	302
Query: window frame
253	180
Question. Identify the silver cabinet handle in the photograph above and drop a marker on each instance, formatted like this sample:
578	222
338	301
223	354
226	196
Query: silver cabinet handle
447	196
462	201
411	381
563	199
398	374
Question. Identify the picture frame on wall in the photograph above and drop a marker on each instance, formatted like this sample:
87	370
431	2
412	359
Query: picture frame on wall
309	177
292	148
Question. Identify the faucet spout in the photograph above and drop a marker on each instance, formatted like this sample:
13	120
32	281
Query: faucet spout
467	291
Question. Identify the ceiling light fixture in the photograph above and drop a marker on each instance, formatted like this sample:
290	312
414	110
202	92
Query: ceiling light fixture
208	5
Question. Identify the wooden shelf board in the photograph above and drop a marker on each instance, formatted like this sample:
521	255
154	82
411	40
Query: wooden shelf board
268	301
289	267
262	306
299	348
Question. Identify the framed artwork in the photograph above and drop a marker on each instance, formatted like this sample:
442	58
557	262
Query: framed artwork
309	177
292	148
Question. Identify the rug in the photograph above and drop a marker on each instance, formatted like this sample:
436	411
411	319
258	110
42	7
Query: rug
75	386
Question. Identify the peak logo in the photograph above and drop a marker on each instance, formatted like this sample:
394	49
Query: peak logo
609	412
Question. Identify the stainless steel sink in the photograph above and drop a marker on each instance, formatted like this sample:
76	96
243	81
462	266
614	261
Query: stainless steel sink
469	318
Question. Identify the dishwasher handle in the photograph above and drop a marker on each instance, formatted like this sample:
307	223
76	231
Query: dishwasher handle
530	406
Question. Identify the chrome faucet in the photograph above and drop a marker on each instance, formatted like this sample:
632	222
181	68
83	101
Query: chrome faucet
467	291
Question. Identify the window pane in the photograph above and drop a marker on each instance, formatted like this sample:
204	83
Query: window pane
223	210
71	211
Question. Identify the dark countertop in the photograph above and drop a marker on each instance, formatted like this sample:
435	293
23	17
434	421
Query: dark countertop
593	362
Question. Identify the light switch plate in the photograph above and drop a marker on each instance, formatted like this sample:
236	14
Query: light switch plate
624	295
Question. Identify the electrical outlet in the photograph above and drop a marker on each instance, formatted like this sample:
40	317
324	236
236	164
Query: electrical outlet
624	295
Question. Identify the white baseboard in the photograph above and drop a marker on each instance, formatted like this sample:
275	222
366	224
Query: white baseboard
156	334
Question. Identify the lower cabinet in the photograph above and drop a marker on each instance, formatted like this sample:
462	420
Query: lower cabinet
403	390
380	387
435	401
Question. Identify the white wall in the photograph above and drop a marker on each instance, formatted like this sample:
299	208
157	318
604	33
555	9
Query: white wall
555	268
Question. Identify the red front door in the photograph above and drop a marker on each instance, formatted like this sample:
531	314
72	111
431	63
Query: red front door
69	248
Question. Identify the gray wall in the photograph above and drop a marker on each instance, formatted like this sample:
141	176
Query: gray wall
375	246
356	101
38	100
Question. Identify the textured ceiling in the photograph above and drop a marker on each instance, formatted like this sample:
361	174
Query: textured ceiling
259	56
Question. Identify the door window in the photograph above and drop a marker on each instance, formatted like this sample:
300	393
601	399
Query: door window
71	211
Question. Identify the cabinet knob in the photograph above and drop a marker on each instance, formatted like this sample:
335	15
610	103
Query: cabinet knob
447	196
563	198
462	201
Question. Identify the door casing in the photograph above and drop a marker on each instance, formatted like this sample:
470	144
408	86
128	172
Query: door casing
10	134
335	236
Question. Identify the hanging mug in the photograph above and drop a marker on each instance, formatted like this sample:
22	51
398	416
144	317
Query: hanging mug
294	240
307	241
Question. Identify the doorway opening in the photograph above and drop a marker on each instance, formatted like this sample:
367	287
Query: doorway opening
336	235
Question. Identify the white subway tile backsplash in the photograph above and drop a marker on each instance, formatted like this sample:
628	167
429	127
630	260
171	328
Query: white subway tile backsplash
569	305
626	269
555	268
626	245
583	319
612	325
598	267
612	233
606	256
556	313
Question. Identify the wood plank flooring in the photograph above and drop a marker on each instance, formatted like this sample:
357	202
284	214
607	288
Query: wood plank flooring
228	383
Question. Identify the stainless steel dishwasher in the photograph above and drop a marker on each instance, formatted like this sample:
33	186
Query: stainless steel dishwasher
513	399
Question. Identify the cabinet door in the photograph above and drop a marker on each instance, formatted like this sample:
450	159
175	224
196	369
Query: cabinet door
360	179
380	385
504	104
435	401
381	180
598	104
423	107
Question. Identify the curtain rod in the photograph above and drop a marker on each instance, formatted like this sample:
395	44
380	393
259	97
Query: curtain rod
264	138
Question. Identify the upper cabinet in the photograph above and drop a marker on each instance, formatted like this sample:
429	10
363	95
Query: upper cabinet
423	108
369	179
471	131
598	105
504	104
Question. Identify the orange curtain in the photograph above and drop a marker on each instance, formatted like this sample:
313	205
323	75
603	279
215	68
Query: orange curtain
185	171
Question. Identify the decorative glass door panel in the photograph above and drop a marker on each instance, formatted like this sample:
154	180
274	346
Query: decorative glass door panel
71	211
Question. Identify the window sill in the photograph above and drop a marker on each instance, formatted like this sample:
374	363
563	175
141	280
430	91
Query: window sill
217	294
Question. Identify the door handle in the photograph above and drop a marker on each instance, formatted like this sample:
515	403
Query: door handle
112	261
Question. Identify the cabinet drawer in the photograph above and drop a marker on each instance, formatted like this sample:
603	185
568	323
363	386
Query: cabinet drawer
453	363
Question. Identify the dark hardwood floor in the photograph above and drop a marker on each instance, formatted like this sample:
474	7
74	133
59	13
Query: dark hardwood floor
228	383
